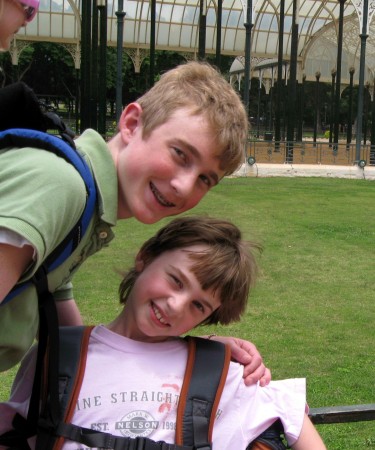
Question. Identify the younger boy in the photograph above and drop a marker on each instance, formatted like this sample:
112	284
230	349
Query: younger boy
193	271
174	144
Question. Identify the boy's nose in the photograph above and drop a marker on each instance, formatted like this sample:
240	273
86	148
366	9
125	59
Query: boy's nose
176	304
184	184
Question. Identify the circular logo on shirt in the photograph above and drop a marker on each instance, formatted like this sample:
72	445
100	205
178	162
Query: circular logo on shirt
137	424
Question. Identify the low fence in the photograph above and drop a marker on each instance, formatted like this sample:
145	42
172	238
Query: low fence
342	414
308	152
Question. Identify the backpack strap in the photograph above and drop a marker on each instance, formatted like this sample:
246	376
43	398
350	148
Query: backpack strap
270	439
206	372
73	342
32	138
98	439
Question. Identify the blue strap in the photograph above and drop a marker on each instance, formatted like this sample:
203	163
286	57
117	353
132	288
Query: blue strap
18	137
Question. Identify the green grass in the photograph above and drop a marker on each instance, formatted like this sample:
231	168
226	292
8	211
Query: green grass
312	312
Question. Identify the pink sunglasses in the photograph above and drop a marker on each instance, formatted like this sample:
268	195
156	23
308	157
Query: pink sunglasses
30	7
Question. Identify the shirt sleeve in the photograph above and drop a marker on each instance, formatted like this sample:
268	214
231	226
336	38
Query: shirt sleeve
252	409
42	198
284	400
64	293
16	240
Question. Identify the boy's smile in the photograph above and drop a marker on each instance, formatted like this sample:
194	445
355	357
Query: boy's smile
166	300
168	172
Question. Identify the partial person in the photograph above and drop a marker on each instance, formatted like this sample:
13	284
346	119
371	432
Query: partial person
14	15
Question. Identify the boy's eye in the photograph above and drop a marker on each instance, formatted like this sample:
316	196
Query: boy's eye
180	154
198	305
206	180
176	281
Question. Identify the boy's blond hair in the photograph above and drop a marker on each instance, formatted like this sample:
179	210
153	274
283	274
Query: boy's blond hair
227	265
201	88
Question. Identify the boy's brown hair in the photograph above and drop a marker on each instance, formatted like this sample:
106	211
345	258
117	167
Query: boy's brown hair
227	265
202	89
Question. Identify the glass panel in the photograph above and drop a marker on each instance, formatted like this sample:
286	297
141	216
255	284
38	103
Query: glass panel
129	31
165	12
190	15
44	24
69	27
162	34
56	23
177	13
188	35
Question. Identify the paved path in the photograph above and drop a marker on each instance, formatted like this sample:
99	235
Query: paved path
306	170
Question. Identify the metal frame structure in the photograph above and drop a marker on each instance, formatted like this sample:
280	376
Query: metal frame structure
325	37
177	29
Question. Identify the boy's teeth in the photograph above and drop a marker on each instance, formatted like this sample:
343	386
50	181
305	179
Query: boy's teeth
158	315
160	198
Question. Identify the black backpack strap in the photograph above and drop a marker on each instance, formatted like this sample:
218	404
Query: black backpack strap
98	439
48	334
72	363
205	375
206	372
73	342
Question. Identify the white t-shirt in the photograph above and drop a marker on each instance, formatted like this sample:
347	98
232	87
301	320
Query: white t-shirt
132	388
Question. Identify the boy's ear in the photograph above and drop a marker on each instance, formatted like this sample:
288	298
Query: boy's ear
139	263
130	121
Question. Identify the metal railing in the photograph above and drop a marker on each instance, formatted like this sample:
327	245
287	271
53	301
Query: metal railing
307	152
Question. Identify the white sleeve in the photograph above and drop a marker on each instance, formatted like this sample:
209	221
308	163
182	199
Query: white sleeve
10	237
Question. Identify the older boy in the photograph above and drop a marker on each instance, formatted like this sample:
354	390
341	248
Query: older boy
193	271
172	147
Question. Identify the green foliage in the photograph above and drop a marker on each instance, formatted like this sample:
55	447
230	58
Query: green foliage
311	313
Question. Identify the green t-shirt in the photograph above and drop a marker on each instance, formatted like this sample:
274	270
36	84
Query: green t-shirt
42	197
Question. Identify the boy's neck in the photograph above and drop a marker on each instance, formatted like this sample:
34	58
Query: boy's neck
120	327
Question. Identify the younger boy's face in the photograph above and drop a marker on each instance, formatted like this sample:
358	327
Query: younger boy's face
170	171
167	299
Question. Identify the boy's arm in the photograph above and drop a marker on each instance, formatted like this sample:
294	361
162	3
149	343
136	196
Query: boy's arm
13	262
247	354
309	439
68	313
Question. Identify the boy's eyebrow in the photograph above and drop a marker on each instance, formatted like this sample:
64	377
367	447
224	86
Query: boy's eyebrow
186	281
194	151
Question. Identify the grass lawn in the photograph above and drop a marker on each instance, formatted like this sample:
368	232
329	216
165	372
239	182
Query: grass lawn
312	312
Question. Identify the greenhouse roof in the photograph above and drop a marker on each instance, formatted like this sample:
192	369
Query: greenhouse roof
177	29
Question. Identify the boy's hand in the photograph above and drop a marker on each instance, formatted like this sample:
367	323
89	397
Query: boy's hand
247	354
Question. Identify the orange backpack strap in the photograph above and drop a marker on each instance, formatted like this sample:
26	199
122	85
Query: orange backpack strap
205	375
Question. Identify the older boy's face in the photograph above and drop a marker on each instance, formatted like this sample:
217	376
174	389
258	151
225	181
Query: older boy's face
167	299
170	171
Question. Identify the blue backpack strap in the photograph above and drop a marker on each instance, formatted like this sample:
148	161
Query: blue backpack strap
206	372
31	138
